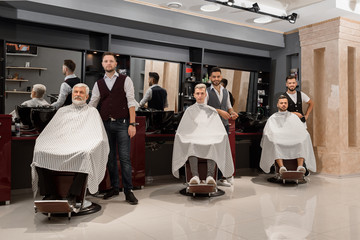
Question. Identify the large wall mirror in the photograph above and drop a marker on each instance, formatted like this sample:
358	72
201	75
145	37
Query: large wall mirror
169	73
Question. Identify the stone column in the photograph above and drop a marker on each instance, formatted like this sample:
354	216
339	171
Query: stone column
330	71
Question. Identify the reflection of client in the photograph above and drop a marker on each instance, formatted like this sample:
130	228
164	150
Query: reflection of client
286	137
155	96
74	141
36	100
194	139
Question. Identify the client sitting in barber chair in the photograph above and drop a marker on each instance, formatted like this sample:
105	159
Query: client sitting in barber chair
287	142
201	135
74	141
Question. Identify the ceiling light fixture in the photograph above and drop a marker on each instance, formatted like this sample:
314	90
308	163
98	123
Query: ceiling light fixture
174	5
256	9
210	8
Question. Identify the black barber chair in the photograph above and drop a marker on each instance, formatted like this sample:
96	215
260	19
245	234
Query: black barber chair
158	121
250	122
202	189
24	113
61	208
41	116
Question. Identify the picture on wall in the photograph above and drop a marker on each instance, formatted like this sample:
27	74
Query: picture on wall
21	49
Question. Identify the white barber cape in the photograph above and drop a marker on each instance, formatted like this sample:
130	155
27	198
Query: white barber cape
202	134
75	140
286	137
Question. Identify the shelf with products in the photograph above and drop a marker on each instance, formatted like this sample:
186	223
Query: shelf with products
263	83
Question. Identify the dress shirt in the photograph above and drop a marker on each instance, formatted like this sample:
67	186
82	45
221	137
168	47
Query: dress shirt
148	97
128	88
65	90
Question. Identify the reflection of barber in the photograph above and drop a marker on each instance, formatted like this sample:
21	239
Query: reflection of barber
70	81
296	98
155	96
224	83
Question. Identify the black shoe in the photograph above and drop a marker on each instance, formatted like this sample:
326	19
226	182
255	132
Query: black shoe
110	193
130	198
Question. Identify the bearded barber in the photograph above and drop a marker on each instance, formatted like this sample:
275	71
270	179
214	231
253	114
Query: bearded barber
114	93
296	99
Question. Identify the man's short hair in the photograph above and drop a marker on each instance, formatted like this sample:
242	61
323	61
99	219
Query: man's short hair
200	86
290	77
108	54
70	64
155	76
224	81
82	85
39	90
282	97
215	69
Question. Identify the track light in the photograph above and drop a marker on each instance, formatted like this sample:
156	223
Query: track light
292	18
230	3
256	9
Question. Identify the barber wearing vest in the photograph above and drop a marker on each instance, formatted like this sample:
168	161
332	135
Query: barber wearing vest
218	98
296	98
115	96
155	96
65	94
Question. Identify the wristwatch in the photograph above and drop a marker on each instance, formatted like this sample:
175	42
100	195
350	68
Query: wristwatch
133	124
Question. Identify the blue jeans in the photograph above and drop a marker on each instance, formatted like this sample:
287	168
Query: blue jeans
118	136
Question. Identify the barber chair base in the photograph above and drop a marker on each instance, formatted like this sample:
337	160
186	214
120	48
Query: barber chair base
202	190
62	208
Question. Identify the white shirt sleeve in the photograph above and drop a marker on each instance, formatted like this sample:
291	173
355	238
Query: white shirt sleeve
65	90
146	98
129	90
305	97
95	96
228	103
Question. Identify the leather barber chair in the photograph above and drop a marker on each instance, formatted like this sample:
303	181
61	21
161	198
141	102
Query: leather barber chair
202	189
61	208
41	116
24	114
291	174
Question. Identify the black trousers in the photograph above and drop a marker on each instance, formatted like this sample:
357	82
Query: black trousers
47	182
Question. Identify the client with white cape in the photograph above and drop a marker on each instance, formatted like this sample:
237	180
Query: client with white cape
285	137
202	134
75	141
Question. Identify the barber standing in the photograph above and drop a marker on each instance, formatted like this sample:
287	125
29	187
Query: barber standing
114	93
296	98
218	98
65	95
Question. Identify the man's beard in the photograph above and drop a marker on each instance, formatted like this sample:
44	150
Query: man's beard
292	89
78	102
110	70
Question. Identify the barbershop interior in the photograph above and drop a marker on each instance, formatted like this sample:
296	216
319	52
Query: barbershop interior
284	167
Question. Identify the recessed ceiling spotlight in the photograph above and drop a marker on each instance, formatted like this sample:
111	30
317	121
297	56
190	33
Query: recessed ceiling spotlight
210	8
174	5
230	2
265	19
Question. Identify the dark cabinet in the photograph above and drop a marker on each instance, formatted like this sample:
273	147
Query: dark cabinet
5	158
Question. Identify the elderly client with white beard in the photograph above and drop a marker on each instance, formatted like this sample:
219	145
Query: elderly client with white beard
74	141
286	137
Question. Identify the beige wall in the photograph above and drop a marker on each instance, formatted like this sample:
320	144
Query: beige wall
330	57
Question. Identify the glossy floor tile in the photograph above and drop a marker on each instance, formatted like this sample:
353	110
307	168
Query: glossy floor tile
323	208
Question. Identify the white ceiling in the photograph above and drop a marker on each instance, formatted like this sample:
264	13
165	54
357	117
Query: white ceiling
309	11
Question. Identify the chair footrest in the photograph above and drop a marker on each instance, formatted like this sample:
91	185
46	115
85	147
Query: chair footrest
53	206
292	175
202	188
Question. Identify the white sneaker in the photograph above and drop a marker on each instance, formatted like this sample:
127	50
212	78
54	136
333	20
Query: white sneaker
224	183
282	169
210	180
301	169
230	180
194	180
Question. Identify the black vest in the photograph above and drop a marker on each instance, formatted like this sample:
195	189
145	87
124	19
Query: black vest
295	106
158	98
71	82
215	103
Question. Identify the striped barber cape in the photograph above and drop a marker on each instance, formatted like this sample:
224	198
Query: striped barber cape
74	141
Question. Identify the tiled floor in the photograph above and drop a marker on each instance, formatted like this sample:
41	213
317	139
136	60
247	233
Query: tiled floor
324	208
